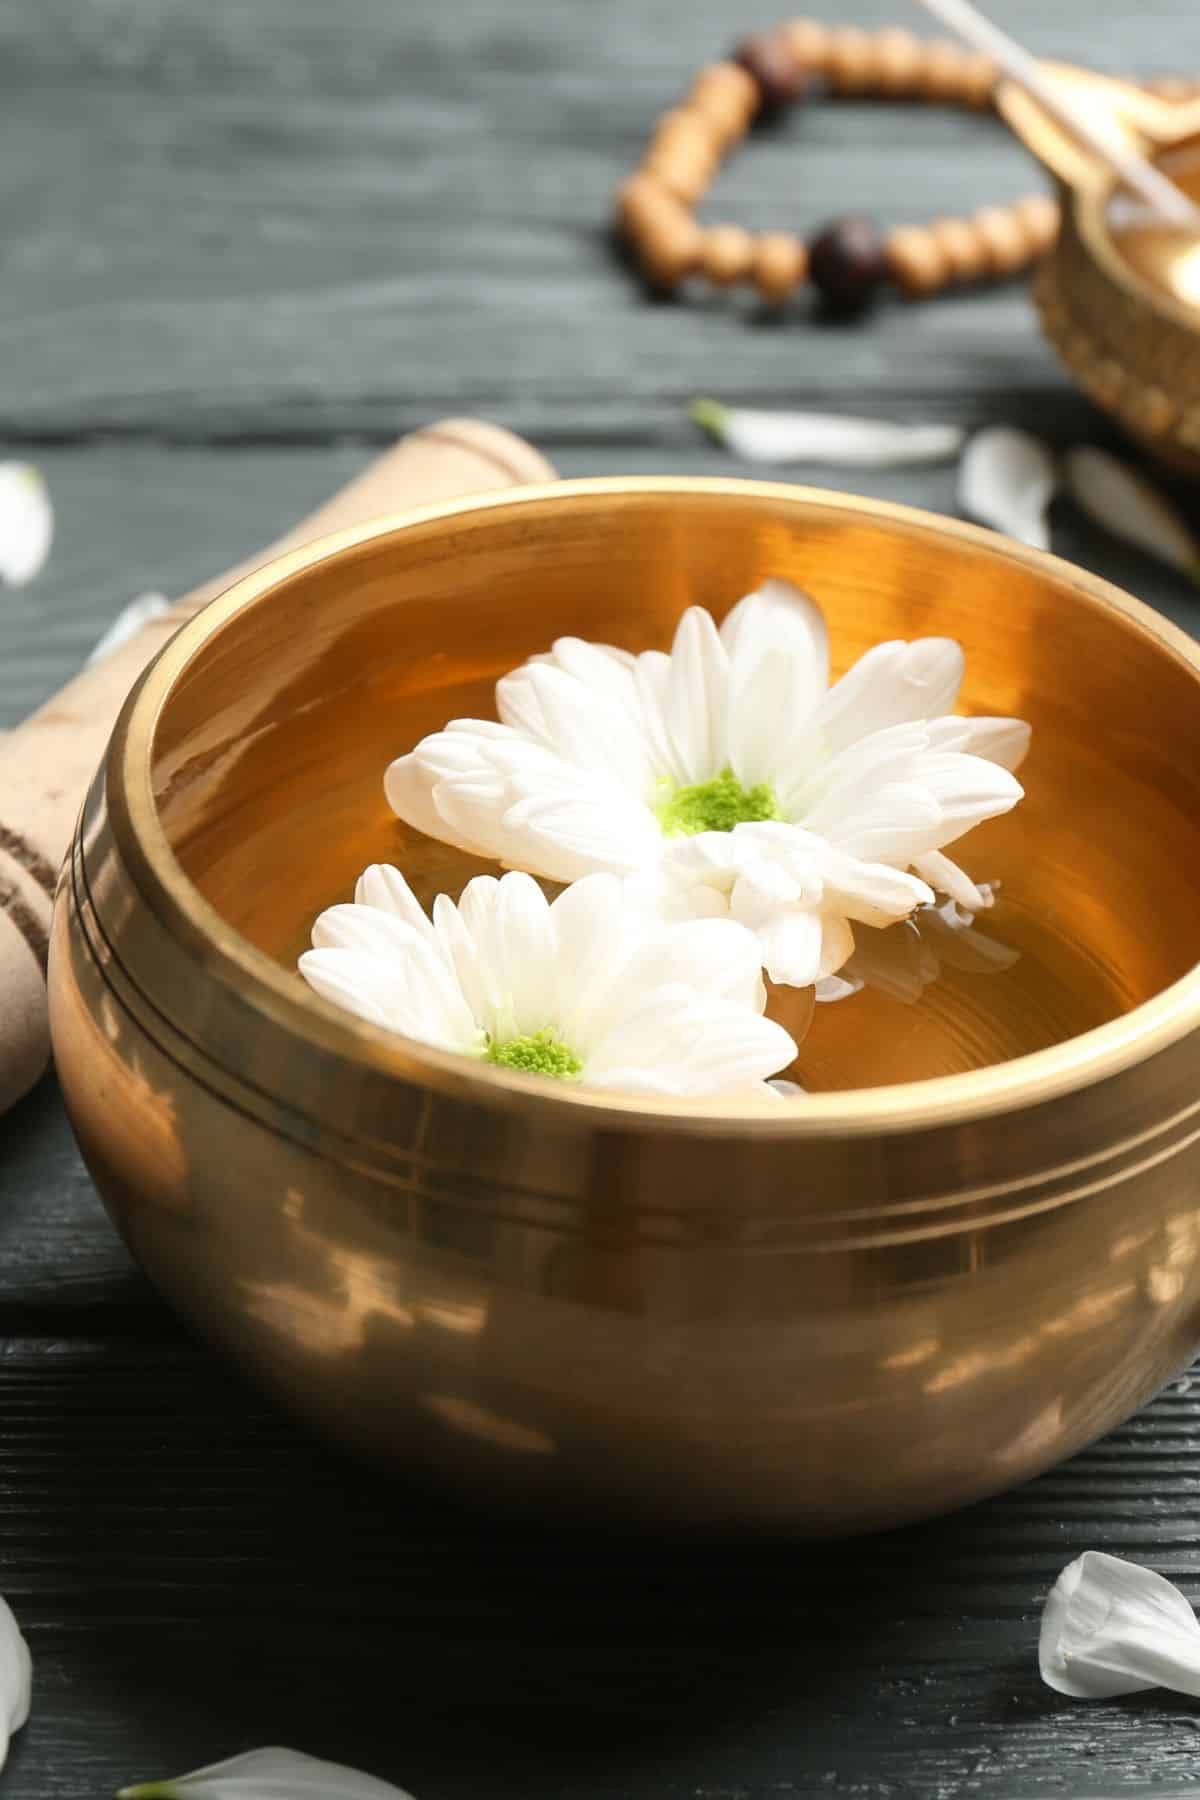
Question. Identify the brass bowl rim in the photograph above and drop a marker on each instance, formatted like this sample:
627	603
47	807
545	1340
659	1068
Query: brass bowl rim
1090	206
277	994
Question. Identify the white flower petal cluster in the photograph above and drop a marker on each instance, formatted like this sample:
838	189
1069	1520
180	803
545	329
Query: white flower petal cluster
584	988
728	779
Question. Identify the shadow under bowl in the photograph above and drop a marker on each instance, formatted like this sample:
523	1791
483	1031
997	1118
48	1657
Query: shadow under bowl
860	1308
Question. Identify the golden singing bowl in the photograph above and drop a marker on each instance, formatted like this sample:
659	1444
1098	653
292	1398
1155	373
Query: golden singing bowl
827	1315
1120	302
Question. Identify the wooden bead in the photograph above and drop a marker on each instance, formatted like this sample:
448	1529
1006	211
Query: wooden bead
850	60
684	125
683	154
915	260
846	262
941	73
769	62
1154	411
808	42
667	238
1003	239
728	254
780	264
979	78
1038	217
727	97
962	249
897	61
1105	379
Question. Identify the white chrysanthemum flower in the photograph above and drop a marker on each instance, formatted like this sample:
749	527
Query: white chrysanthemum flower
728	778
586	988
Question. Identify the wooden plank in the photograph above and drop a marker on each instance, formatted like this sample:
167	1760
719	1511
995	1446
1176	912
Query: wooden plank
286	220
135	516
62	1264
195	1578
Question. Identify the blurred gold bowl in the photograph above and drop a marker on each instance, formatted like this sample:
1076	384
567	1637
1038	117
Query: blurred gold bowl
844	1312
1121	303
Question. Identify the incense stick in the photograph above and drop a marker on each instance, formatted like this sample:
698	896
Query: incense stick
1149	183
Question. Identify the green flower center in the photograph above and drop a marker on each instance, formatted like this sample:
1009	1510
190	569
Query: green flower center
540	1054
716	805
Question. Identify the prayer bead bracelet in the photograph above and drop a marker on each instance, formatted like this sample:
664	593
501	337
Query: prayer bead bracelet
847	258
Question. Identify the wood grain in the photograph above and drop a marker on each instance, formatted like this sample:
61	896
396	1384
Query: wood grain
195	1576
242	245
284	218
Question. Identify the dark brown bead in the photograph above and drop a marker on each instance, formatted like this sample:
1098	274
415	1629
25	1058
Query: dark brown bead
777	75
846	262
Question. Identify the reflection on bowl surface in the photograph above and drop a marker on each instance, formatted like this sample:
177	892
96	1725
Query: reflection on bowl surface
852	1309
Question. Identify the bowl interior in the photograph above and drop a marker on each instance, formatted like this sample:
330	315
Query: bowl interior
1165	258
270	746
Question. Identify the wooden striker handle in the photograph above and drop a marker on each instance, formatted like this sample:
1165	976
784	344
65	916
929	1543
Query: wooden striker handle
47	763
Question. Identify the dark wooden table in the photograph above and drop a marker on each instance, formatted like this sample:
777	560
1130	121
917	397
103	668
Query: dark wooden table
240	243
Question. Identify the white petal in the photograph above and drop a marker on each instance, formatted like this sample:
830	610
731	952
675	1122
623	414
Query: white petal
762	717
694	703
602	667
366	928
525	954
26	523
832	988
589	832
1003	741
893	684
485	788
404	986
837	945
968	789
1007	480
1112	1627
652	679
592	921
409	784
711	856
713	956
945	877
892	821
501	943
873	893
1124	502
894	807
128	623
783	437
16	1677
272	1774
581	724
385	888
781	619
779	664
683	1043
466	957
790	942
